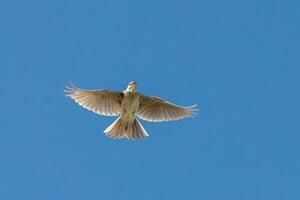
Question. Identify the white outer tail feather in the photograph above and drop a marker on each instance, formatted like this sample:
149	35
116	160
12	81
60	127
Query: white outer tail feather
122	128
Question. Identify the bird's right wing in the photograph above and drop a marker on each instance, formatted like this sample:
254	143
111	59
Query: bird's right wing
102	102
155	109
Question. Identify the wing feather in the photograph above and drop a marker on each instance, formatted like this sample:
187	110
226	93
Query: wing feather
102	102
155	109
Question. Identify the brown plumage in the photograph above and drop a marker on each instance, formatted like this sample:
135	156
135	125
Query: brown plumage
128	104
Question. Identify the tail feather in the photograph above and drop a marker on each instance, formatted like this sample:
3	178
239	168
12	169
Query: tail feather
122	128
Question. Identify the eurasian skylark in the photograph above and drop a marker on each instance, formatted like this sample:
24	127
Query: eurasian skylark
128	104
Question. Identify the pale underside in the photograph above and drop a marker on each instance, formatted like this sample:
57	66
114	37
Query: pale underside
109	103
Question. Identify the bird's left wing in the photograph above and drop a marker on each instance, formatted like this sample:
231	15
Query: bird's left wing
155	109
102	102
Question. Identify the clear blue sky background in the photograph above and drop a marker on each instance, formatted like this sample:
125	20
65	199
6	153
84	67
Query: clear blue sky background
238	60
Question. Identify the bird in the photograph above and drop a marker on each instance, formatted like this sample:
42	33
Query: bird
128	105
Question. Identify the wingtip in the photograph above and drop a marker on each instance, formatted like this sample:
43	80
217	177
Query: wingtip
194	106
193	110
70	89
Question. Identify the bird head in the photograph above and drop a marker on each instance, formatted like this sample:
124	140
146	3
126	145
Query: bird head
132	86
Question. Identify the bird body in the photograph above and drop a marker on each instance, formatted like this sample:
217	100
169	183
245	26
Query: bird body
128	104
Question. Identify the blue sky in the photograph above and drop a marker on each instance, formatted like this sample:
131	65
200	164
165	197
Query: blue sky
238	60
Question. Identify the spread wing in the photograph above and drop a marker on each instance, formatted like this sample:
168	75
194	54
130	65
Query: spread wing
102	102
155	109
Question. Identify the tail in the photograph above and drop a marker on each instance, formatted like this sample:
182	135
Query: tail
123	128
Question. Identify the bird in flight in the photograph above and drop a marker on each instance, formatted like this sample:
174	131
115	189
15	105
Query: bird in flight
128	105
